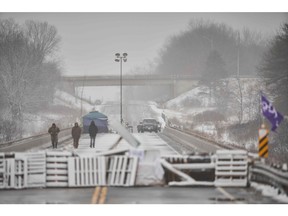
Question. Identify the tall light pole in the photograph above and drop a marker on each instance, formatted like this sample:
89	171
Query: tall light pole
119	58
238	54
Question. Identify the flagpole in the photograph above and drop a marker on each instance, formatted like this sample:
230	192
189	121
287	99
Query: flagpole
260	107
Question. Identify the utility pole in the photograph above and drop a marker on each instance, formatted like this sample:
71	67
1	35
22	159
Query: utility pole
119	58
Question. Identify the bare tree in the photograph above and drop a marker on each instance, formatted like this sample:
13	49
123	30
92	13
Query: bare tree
42	37
214	71
274	68
25	77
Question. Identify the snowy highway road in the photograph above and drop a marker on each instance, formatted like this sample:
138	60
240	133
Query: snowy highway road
186	143
134	195
170	141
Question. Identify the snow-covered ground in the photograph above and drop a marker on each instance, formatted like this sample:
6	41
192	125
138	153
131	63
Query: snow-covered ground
64	112
65	99
269	191
189	110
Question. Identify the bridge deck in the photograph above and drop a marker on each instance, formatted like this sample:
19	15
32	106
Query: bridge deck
104	142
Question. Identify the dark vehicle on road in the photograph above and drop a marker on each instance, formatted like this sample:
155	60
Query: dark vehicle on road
139	127
149	125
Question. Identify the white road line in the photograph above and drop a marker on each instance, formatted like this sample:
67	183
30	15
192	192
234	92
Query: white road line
228	195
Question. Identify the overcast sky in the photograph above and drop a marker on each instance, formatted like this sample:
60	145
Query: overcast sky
90	40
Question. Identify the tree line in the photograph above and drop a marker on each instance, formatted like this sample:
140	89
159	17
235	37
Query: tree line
29	72
188	52
208	51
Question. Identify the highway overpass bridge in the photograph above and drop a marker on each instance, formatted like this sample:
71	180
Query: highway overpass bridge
177	83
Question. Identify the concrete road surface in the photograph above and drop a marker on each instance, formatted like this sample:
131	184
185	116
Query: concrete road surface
134	195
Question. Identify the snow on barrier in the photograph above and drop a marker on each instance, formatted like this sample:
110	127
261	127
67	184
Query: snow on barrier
121	170
20	173
57	168
63	169
86	171
9	177
231	168
149	169
36	168
177	166
15	175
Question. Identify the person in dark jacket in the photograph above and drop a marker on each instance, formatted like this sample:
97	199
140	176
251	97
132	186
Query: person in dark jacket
53	131
93	130
76	133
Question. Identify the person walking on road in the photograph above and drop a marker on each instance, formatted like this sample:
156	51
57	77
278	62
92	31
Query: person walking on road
93	130
53	131
76	133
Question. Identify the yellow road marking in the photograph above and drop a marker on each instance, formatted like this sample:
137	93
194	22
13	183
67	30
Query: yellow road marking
103	195
95	195
99	195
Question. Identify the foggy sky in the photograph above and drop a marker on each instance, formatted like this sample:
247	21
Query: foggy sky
90	40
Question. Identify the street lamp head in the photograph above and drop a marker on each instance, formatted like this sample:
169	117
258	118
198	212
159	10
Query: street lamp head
125	55
124	59
117	60
117	55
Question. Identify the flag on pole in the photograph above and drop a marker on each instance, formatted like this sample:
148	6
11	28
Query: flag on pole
270	113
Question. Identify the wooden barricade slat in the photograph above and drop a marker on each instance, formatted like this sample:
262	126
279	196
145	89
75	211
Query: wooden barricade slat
231	168
36	168
57	168
86	171
20	173
122	170
15	174
9	180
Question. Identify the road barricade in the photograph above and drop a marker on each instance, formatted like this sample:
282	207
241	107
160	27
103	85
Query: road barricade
86	171
121	170
188	170
149	169
20	173
57	168
63	169
15	175
231	168
36	168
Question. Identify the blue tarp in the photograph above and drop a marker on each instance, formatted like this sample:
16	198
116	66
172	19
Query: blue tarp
100	120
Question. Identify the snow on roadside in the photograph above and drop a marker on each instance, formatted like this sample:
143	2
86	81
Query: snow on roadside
39	123
269	191
63	98
200	93
157	112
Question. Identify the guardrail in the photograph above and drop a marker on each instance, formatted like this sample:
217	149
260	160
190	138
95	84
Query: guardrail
258	171
226	167
34	141
205	138
265	174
